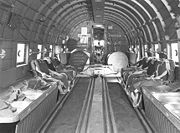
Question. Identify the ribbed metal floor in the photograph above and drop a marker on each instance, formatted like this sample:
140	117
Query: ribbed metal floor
125	118
67	118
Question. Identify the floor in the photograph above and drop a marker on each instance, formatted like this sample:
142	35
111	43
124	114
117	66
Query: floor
125	117
67	119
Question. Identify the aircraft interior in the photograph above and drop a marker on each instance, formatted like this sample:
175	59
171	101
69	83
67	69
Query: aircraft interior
89	66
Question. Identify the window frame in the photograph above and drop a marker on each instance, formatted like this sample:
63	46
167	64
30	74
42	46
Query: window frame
39	51
51	50
25	55
156	49
176	62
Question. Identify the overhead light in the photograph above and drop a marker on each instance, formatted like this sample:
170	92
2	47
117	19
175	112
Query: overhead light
99	25
98	0
110	27
98	16
98	8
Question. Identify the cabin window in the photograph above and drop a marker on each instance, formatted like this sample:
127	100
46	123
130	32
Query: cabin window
22	54
57	49
39	55
145	50
174	51
51	50
156	49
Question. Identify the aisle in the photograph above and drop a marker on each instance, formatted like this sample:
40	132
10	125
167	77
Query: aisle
96	123
97	107
125	117
97	115
66	120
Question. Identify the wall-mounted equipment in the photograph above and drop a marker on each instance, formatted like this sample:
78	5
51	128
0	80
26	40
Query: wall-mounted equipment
98	33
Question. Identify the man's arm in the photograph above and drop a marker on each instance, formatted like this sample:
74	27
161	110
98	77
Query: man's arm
39	71
54	72
162	75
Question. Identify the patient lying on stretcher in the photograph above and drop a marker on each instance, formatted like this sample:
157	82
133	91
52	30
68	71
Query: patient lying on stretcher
41	69
23	92
162	73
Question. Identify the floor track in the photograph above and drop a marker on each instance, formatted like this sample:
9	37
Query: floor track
103	107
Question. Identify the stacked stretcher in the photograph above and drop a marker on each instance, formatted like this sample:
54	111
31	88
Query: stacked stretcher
26	105
163	110
159	97
23	103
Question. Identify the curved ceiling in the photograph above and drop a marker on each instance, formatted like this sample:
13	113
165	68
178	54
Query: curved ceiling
45	20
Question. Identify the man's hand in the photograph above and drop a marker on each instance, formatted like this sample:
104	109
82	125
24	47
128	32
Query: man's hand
52	74
45	75
157	77
61	83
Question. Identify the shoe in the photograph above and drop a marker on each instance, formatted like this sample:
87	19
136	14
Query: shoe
61	89
72	83
65	91
69	89
13	109
137	99
62	92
